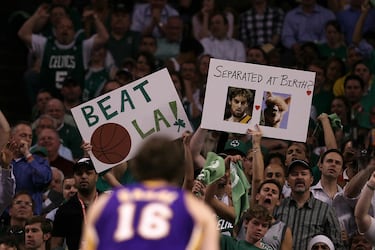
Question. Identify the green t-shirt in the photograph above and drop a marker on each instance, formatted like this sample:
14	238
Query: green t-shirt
316	173
327	52
322	102
126	178
229	243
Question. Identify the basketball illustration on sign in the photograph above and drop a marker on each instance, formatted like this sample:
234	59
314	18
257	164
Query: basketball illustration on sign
111	143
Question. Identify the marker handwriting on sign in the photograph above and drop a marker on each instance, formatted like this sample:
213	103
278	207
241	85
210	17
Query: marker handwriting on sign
295	83
238	75
103	106
282	80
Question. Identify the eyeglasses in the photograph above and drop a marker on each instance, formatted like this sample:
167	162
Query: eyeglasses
25	203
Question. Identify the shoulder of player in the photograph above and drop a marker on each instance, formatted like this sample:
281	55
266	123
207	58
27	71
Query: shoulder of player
198	209
96	208
205	222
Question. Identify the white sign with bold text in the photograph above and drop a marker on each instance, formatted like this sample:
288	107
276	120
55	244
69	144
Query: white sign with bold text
117	122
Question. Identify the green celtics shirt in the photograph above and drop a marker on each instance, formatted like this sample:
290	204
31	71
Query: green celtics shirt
228	243
59	62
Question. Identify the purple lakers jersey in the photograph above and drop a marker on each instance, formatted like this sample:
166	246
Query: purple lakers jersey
138	217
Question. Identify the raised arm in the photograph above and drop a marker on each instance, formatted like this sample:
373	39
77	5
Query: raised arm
357	33
354	186
189	165
7	180
102	35
258	163
155	22
225	211
362	218
196	144
4	130
329	136
26	31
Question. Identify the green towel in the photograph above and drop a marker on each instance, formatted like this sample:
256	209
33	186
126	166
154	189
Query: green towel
335	121
335	124
240	189
213	169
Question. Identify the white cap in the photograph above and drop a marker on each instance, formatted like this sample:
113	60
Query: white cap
321	239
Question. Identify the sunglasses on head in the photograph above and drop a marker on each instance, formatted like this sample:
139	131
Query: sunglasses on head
16	231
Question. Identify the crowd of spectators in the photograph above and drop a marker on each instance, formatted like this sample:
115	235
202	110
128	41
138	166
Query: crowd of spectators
77	53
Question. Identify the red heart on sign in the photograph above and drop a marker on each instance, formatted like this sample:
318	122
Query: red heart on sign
257	107
308	92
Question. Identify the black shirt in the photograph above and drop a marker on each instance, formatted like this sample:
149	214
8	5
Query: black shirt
68	222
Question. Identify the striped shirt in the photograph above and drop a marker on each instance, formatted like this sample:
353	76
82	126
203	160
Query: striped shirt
314	217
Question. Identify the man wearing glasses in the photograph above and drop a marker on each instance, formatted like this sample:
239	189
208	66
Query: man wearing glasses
20	210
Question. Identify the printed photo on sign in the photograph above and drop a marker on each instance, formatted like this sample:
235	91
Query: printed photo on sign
117	122
239	106
280	99
275	110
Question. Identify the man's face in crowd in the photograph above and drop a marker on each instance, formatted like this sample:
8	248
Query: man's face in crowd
34	236
65	31
295	151
332	164
275	172
256	229
300	179
55	108
85	180
218	27
22	136
353	91
269	196
69	188
22	207
359	242
148	44
120	22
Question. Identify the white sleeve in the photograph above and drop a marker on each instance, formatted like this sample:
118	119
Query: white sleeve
240	52
230	18
137	20
109	61
87	47
38	43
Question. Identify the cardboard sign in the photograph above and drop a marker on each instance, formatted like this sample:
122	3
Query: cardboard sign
117	122
241	95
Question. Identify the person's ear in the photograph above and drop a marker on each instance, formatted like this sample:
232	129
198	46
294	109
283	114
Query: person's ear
47	236
311	179
257	197
320	166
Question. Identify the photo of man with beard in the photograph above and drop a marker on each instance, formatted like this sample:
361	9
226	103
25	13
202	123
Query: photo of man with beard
240	105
